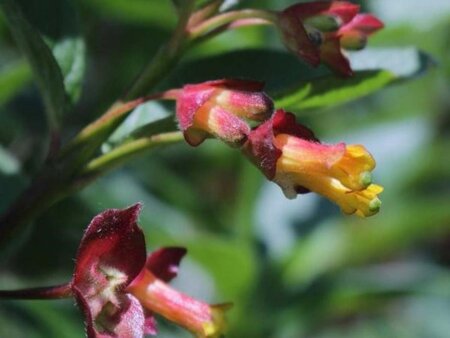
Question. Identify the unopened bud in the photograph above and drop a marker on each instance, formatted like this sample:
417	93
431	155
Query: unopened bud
324	23
353	40
365	178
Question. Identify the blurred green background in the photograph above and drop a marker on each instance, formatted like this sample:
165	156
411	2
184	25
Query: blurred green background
292	268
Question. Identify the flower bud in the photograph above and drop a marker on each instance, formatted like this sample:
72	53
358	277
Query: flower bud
220	109
318	31
353	41
324	23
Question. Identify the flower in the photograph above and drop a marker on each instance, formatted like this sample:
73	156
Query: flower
318	31
290	155
219	109
119	289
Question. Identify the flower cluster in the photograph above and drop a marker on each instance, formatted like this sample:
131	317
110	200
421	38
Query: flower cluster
120	290
286	152
319	31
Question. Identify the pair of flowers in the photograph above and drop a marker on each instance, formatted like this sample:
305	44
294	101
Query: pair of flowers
286	152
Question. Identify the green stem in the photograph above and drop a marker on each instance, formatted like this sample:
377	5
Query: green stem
229	17
51	292
166	58
130	149
115	115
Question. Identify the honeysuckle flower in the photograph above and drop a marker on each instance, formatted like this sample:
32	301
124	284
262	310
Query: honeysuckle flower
290	155
220	109
318	31
119	290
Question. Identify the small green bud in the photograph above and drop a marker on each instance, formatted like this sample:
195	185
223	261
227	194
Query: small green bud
365	178
375	205
353	41
324	23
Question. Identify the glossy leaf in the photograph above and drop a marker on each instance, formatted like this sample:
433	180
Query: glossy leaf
279	70
70	54
12	79
150	12
374	70
45	68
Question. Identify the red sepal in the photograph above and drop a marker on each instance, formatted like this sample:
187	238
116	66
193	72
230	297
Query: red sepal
343	9
259	146
331	54
112	239
285	123
364	23
110	256
163	263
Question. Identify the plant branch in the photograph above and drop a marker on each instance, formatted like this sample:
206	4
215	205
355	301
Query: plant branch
227	18
51	292
166	57
127	150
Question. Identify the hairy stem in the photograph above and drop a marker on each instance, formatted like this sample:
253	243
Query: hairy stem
51	292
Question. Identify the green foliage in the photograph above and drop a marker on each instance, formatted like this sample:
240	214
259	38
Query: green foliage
293	268
374	70
45	67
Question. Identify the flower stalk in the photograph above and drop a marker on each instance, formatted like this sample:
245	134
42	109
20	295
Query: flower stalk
51	292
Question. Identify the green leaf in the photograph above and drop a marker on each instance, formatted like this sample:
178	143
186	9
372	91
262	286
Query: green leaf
57	22
143	120
374	70
70	54
332	247
154	12
329	90
12	78
279	70
8	163
45	68
222	258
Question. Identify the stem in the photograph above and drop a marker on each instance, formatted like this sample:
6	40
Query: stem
51	292
229	17
166	57
122	153
232	25
116	113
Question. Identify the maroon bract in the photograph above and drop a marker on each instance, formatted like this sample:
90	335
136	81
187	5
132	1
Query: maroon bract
219	108
111	254
317	31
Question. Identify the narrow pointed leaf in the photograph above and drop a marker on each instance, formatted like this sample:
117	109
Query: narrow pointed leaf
374	70
45	68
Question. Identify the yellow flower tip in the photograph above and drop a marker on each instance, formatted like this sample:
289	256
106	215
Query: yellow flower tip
339	172
354	168
217	326
366	202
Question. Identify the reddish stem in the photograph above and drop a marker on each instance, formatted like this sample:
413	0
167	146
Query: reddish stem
50	292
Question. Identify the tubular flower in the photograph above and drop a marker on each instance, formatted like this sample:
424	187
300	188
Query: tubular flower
119	290
219	108
290	155
318	31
